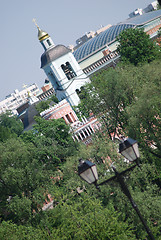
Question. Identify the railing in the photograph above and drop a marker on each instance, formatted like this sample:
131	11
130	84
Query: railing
101	62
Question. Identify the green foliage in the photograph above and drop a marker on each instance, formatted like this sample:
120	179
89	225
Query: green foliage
5	133
10	124
143	115
109	92
9	230
54	98
43	105
127	100
86	219
44	161
57	131
136	47
141	183
23	181
52	140
21	209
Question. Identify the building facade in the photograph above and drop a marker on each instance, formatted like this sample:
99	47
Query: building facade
139	11
46	92
62	69
81	130
101	51
18	98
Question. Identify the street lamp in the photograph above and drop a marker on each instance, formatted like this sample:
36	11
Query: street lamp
88	172
129	149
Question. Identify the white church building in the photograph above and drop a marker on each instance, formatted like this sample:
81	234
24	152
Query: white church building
62	69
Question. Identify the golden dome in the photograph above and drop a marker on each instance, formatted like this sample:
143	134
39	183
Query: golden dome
42	35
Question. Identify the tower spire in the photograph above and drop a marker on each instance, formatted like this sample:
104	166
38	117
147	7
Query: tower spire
42	35
34	20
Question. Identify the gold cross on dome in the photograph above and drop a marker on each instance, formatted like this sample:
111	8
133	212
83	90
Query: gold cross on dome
34	20
24	86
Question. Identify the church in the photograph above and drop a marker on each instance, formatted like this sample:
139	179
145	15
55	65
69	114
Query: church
62	69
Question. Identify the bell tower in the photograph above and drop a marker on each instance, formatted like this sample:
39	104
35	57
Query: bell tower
62	69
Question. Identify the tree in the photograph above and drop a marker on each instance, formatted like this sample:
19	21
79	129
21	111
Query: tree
53	142
143	114
136	47
127	100
108	95
86	218
24	181
46	150
140	182
28	167
54	98
43	105
9	230
59	132
12	123
5	133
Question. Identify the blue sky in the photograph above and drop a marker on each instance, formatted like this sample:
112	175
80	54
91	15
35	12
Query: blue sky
64	20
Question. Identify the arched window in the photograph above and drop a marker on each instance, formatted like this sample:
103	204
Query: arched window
68	70
48	41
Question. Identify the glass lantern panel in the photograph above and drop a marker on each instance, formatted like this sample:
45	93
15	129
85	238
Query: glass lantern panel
88	176
94	169
136	149
129	154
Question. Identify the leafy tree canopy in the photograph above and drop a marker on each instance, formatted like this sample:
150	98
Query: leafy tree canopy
23	181
5	133
9	230
87	219
140	182
43	105
54	98
136	47
12	123
52	139
56	129
28	165
127	100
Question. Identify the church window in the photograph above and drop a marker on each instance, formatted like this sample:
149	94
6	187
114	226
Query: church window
48	41
68	70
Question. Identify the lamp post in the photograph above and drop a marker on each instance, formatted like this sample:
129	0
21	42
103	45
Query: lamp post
88	172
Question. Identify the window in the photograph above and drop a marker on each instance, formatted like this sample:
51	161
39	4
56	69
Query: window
68	70
48	41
